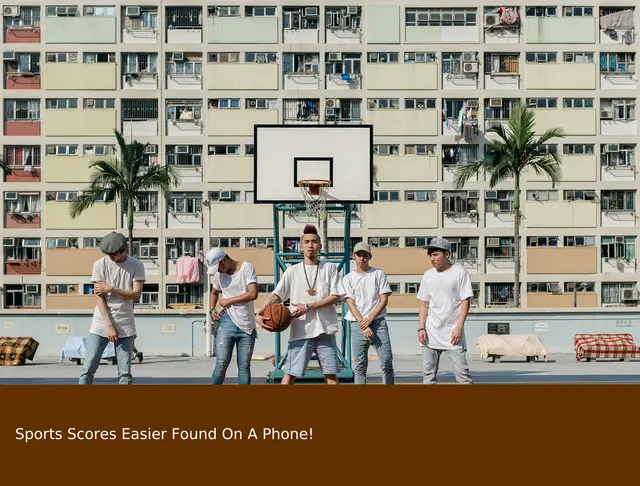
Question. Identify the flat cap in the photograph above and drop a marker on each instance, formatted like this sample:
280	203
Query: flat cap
113	243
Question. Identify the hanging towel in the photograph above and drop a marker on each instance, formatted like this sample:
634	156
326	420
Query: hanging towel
187	270
461	117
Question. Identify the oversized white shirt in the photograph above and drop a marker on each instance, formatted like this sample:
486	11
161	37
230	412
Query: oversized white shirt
293	287
444	291
365	289
243	313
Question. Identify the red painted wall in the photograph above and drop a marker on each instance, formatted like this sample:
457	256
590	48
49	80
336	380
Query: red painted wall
21	175
21	82
23	267
18	222
22	36
22	128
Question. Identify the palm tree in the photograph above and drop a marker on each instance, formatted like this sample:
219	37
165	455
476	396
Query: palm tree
4	167
125	178
516	150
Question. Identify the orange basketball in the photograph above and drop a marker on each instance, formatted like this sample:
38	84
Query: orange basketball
278	318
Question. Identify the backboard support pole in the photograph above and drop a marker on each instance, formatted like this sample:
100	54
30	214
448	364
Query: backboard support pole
343	260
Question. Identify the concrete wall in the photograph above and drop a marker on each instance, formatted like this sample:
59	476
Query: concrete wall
558	338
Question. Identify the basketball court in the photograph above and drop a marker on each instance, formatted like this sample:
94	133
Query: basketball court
321	171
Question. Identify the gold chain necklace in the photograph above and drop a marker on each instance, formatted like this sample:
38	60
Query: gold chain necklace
311	290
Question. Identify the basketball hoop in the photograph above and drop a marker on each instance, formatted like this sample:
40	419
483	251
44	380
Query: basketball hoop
315	195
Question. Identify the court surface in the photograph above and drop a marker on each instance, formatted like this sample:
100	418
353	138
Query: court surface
561	368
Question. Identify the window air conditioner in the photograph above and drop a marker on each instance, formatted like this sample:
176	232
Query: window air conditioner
11	11
151	149
182	149
472	103
619	239
9	56
132	12
10	196
495	102
173	289
473	194
493	242
613	147
491	20
8	242
171	241
311	11
177	56
352	10
491	195
31	289
335	56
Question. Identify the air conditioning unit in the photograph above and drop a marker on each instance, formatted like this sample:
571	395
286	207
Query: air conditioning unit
173	289
613	147
171	241
493	242
182	149
225	196
9	56
491	20
619	239
177	56
335	56
11	11
31	289
468	57
491	194
423	16
132	12
470	67
72	11
372	105
629	294
472	103
332	103
606	114
10	196
311	11
89	11
8	242
495	102
352	10
553	287
151	149
61	10
473	194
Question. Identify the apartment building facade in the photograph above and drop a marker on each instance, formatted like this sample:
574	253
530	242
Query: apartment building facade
192	79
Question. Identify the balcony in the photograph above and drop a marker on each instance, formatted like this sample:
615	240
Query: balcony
343	71
397	122
343	25
140	25
184	118
498	255
225	72
21	70
617	25
22	296
184	211
184	70
501	26
300	71
498	209
77	76
96	122
187	161
71	262
617	162
184	25
618	254
24	162
241	216
560	76
460	71
618	70
22	256
409	75
140	118
618	209
402	215
562	260
460	119
22	25
618	117
22	118
140	71
258	26
21	210
560	30
460	209
146	215
102	216
301	25
64	25
501	71
561	214
301	112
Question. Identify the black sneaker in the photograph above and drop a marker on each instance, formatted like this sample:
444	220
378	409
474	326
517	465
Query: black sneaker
140	356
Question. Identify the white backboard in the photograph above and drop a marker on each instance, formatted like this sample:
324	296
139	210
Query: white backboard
285	154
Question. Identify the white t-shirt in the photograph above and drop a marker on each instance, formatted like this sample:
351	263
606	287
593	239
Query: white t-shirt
121	276
365	289
445	292
293	286
242	314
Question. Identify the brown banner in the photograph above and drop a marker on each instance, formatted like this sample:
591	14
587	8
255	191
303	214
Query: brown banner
502	434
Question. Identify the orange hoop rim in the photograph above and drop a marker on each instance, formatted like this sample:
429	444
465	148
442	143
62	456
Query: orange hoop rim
313	186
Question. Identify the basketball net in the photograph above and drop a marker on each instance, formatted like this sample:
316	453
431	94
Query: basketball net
315	196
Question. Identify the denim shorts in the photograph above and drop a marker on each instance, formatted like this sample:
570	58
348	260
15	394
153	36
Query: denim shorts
301	351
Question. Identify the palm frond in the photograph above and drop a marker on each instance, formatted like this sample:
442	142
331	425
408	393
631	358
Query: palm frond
84	202
467	171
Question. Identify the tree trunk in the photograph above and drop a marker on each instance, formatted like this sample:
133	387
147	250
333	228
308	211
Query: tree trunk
323	232
130	223
516	243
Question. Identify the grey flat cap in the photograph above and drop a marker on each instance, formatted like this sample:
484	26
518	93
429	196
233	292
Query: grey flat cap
439	244
113	243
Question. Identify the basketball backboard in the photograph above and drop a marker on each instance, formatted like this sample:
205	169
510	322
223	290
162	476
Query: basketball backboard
286	154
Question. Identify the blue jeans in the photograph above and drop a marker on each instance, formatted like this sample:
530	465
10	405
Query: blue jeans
382	344
95	347
228	336
431	362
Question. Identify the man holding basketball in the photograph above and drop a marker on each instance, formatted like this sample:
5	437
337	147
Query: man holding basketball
238	284
313	288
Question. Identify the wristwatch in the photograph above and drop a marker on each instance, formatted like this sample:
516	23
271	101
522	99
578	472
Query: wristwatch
307	308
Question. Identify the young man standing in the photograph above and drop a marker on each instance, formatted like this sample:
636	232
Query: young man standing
118	281
314	288
445	293
368	291
238	284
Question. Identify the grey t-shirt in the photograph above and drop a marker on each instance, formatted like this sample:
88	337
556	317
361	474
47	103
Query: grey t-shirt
121	276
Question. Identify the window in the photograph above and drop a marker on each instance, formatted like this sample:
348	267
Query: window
139	110
540	11
184	155
383	103
145	248
541	57
23	63
99	103
419	103
420	57
498	108
224	57
350	63
226	11
457	203
453	155
224	104
18	295
299	18
22	249
61	103
416	241
29	17
185	203
618	155
62	57
578	149
261	104
92	242
618	110
145	202
542	195
300	64
186	111
618	247
260	11
225	242
618	201
499	294
542	241
98	57
62	11
21	110
384	242
382	57
412	288
62	242
542	102
451	63
62	150
464	248
140	63
224	149
420	149
264	288
501	63
547	148
259	242
188	66
64	289
498	201
579	241
617	62
386	149
437	17
579	286
149	297
99	150
225	196
249	149
21	156
261	57
579	195
147	20
184	17
386	195
184	294
177	247
421	196
543	287
99	11
499	247
612	292
578	57
578	103
577	11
